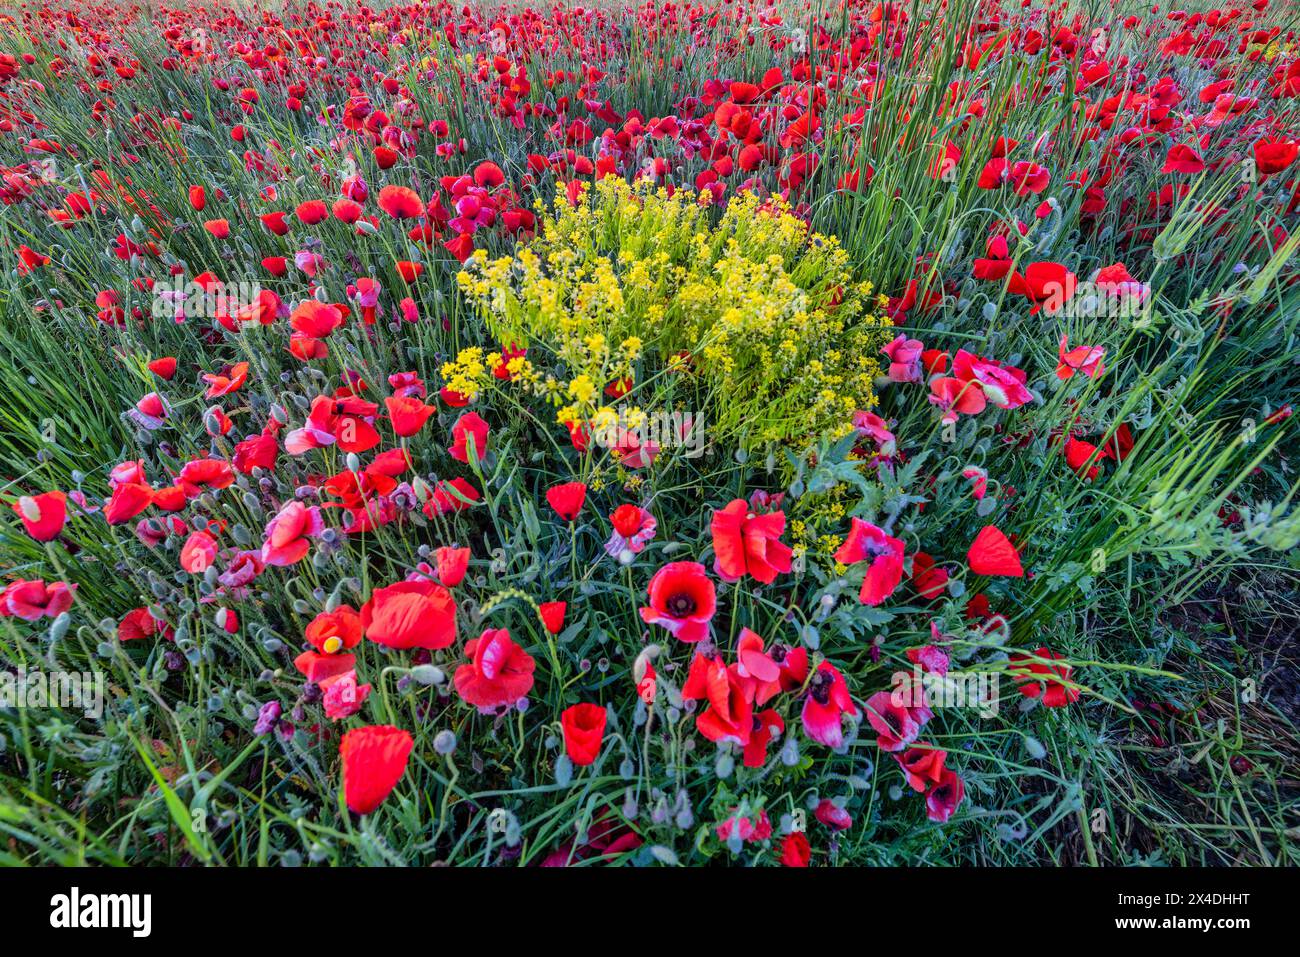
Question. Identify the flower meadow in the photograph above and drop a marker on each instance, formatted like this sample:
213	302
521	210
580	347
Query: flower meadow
655	434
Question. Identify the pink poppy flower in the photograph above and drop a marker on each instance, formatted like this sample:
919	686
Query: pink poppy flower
343	697
867	542
1085	359
827	701
499	672
894	723
904	359
634	528
945	796
288	535
31	600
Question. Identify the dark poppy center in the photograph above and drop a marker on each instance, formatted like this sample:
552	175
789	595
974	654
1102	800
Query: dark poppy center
681	605
821	689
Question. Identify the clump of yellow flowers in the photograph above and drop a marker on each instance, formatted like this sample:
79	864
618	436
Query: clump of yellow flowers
758	308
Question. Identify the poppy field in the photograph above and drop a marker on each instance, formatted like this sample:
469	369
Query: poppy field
796	434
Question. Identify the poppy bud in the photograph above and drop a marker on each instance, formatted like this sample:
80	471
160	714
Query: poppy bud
563	770
428	675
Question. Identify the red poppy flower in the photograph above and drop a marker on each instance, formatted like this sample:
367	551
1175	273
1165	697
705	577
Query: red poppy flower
140	623
746	543
1049	285
43	516
945	797
1029	178
319	668
498	674
1182	158
315	319
418	614
1275	155
730	712
956	397
331	632
454	399
408	414
128	500
1035	678
32	600
682	599
451	496
374	760
1121	443
567	499
922	766
1085	359
552	614
488	175
409	271
275	223
997	261
832	815
767	725
163	368
870	542
795	850
198	553
928	578
287	536
895	724
1077	454
312	211
451	565
584	728
993	554
467	426
643	673
400	202
224	384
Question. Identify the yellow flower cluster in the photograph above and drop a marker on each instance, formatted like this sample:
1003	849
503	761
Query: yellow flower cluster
758	308
467	373
816	521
